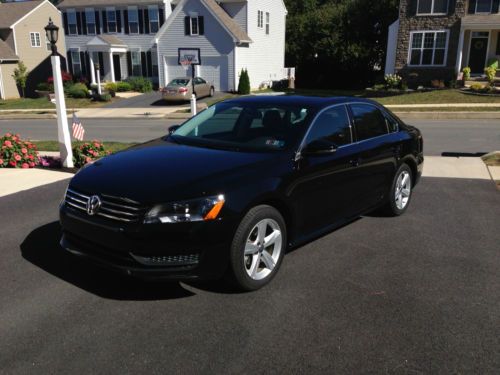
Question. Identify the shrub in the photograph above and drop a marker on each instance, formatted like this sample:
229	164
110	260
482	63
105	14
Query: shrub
438	84
244	83
44	86
78	91
102	97
16	153
111	86
140	84
88	152
466	72
393	81
493	63
66	77
123	86
490	72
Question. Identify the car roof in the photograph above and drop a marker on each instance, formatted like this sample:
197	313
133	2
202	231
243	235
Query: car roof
309	101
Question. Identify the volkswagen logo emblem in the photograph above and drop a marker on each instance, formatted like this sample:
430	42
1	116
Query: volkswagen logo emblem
93	205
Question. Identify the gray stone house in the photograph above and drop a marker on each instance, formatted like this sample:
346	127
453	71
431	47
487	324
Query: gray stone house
436	39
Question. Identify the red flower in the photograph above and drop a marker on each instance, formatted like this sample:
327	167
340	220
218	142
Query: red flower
1	161
25	166
31	157
32	165
97	145
8	143
17	157
24	151
12	163
14	139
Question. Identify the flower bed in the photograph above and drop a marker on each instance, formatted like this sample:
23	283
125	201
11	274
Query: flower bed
88	152
16	153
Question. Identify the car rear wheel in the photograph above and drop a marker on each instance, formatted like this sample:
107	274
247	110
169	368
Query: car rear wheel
212	91
401	191
258	248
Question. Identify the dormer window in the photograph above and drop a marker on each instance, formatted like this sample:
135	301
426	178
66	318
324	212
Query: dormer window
432	7
484	6
194	25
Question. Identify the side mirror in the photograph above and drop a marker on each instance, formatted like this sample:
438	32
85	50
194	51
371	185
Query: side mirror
173	129
320	147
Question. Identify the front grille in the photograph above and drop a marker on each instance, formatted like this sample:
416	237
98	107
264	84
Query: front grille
168	260
113	208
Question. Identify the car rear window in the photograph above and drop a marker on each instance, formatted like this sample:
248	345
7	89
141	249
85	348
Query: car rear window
179	82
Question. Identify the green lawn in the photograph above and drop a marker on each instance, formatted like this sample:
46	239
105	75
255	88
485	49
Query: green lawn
109	146
44	103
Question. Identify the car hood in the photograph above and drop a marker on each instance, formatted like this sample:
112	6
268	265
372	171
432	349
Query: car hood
160	171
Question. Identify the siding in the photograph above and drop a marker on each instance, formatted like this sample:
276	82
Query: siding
238	11
8	83
265	57
215	43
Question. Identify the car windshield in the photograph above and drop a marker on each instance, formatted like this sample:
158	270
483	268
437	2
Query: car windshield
246	126
179	82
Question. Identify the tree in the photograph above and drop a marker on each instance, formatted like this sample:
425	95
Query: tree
21	76
244	83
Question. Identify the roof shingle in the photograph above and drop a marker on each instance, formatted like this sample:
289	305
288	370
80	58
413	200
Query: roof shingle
230	23
6	53
10	13
103	3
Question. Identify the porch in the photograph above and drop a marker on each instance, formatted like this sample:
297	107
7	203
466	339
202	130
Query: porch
479	43
110	54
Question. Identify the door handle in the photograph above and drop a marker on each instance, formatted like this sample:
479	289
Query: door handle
354	162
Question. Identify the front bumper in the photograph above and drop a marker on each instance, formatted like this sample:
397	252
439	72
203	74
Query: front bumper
153	251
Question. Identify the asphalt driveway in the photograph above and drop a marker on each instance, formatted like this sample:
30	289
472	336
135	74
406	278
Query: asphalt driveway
154	99
415	294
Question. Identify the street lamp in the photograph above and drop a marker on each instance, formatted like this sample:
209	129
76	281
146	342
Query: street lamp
52	32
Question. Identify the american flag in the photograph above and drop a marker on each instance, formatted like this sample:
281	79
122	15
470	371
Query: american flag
78	130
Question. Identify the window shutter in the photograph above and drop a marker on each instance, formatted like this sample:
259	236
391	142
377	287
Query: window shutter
150	64
187	25
79	22
496	7
141	21
161	16
129	63
125	21
201	25
119	21
101	62
70	63
146	21
472	6
65	22
84	23
104	22
144	64
97	22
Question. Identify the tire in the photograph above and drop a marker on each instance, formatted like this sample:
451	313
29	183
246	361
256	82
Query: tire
253	265
212	92
400	196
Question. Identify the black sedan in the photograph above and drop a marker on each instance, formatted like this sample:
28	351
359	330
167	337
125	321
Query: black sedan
229	191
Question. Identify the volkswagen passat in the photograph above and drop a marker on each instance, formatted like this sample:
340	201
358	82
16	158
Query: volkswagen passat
229	191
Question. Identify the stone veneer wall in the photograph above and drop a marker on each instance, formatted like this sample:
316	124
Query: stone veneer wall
409	21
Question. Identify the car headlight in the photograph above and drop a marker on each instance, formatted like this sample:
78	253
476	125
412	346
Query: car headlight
203	209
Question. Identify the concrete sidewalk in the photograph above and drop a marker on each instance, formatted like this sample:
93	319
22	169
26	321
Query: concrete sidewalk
455	167
16	180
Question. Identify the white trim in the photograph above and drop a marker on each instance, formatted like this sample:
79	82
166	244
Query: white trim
15	40
487	44
491	8
33	10
2	93
39	39
460	51
432	13
433	49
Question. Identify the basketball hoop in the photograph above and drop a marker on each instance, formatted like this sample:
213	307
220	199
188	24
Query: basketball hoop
186	61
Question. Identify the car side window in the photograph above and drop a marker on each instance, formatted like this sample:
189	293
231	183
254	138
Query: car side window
368	121
333	126
392	124
201	81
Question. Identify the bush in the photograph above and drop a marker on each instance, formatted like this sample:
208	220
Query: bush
244	83
16	153
466	72
123	86
393	81
493	63
140	84
88	152
111	86
103	97
491	73
44	86
78	91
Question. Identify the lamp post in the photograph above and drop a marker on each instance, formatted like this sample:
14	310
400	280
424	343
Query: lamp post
52	32
98	77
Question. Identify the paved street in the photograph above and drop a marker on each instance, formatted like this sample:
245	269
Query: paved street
415	294
469	136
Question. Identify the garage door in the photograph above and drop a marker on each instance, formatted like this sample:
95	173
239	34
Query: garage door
174	70
212	69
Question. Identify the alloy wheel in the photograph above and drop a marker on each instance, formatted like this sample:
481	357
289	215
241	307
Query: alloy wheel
403	190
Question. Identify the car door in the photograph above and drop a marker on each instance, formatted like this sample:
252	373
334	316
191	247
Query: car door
322	187
201	87
378	151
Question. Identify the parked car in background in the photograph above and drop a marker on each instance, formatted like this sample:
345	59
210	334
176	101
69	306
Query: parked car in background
180	89
229	191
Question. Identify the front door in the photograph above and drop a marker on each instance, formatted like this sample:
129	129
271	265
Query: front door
118	70
478	51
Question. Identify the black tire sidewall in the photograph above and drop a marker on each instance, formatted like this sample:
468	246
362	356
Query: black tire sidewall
392	200
237	258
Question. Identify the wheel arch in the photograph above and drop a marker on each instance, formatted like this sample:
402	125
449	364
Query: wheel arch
412	163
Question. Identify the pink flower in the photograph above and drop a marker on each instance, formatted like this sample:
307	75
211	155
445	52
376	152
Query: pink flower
25	166
1	161
31	157
14	139
8	143
24	151
32	165
8	135
12	163
97	145
17	157
88	160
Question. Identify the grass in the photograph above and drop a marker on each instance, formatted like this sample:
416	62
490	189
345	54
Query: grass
492	160
109	146
44	103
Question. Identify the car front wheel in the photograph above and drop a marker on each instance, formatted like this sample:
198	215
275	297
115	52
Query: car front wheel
212	92
258	248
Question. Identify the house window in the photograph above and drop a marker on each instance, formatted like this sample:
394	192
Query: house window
260	19
428	48
72	28
432	7
267	22
136	63
154	62
194	26
90	19
111	16
154	19
483	6
35	40
133	20
77	64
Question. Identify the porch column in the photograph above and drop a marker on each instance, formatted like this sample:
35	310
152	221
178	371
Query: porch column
460	51
92	68
111	67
